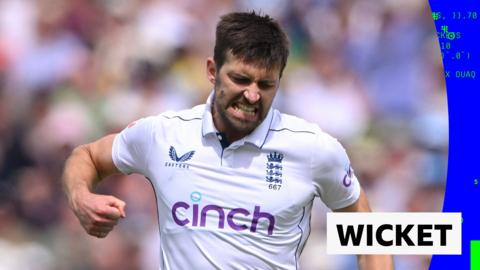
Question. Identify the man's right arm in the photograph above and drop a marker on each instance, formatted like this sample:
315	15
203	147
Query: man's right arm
84	169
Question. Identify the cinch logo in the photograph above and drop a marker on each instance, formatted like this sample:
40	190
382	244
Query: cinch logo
199	216
179	161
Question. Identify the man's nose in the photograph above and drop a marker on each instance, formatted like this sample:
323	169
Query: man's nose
252	95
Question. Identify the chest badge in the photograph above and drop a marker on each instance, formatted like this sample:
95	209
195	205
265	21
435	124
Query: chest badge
274	175
179	162
185	157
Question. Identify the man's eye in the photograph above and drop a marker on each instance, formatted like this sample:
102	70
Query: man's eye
265	85
241	80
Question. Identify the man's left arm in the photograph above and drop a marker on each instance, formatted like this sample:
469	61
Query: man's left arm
368	262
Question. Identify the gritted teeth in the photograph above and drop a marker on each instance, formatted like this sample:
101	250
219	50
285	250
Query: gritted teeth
245	108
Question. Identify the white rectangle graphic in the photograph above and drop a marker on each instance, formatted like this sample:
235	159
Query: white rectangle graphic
394	233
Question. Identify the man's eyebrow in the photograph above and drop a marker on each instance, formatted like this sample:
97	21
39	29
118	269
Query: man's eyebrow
236	74
246	76
267	81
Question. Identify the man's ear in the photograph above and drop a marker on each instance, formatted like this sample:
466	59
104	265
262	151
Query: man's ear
211	70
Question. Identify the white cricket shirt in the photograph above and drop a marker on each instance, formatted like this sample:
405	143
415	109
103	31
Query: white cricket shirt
245	206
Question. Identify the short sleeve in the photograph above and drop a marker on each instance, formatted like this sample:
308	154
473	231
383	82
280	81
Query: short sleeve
334	179
131	146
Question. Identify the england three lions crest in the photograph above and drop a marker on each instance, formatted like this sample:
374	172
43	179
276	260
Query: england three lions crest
274	170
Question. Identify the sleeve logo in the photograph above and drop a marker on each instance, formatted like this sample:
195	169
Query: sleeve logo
347	179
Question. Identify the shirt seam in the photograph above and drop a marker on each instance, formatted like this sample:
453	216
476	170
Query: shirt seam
300	240
312	170
181	118
268	131
147	157
115	156
291	130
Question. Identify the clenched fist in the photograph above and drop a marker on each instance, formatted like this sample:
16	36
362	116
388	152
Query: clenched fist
98	214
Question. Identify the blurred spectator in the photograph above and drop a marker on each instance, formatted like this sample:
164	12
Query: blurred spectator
330	96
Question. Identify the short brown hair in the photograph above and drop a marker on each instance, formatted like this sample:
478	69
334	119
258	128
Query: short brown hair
252	38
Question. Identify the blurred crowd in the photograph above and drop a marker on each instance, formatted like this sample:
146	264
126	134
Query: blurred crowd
369	72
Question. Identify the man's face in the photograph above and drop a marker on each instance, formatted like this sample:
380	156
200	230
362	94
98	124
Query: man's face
243	95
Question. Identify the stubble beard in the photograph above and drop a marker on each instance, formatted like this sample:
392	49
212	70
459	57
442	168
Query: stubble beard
233	127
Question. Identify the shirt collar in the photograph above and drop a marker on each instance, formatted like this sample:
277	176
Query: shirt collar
258	135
